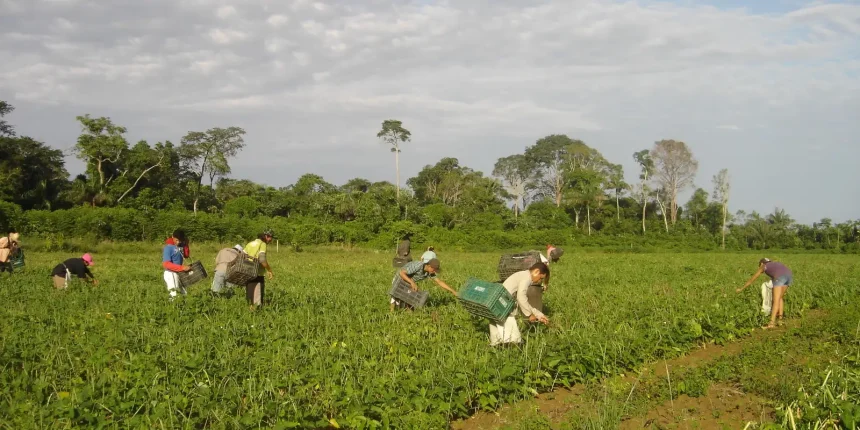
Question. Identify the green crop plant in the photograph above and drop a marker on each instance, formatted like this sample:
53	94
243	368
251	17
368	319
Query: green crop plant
325	351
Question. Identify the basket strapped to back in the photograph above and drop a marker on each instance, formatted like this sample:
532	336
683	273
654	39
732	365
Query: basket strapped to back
513	263
242	269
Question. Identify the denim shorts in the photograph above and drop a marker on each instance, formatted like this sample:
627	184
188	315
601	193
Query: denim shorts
782	281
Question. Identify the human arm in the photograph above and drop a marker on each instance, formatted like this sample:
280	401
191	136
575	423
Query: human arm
524	305
751	280
405	276
261	257
88	276
173	267
442	284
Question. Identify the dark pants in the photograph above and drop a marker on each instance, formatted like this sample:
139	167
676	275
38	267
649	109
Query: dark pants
255	290
6	267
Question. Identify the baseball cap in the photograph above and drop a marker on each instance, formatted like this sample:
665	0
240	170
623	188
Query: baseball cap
238	248
434	263
269	232
764	261
88	259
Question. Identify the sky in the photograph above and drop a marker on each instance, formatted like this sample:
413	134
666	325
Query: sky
768	89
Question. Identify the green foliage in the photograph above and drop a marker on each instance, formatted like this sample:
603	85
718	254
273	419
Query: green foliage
121	355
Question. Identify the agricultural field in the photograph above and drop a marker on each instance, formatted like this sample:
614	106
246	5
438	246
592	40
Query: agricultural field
326	352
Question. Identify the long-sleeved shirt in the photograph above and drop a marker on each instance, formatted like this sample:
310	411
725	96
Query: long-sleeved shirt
518	286
75	266
171	258
225	257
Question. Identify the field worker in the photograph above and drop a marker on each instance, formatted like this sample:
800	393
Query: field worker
255	289
222	259
404	249
781	276
518	285
416	271
8	249
428	255
180	240
536	291
80	267
550	251
172	258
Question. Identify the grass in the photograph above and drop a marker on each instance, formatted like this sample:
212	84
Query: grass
326	353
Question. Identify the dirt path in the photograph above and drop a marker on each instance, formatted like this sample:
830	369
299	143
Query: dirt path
721	406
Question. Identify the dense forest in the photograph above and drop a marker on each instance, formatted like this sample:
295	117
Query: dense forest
558	190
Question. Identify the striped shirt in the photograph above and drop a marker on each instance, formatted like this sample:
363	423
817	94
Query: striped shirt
414	270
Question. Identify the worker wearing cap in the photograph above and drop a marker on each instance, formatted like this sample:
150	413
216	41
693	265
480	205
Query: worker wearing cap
255	289
415	271
62	273
222	260
782	278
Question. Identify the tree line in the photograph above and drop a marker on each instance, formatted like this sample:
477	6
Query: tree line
558	189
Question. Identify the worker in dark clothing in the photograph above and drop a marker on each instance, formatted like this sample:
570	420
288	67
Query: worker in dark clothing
80	267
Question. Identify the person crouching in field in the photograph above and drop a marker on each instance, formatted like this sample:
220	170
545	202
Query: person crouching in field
782	278
80	267
222	259
428	255
518	285
416	271
172	258
255	289
8	249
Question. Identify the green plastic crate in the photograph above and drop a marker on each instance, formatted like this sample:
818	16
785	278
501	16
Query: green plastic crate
486	299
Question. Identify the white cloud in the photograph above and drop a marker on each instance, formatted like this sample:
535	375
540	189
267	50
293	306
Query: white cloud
277	20
226	36
479	80
225	12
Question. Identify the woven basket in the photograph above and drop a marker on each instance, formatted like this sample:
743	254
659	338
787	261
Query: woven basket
242	269
513	263
403	291
193	276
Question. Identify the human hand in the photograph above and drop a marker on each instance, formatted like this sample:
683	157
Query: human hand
414	286
738	290
544	320
271	275
95	282
186	268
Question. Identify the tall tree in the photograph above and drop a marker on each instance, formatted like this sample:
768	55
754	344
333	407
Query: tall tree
646	166
394	134
32	174
722	188
6	129
547	157
515	173
615	182
101	145
208	153
675	169
697	205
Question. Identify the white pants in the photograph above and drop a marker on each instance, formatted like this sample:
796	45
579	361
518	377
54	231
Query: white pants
172	281
766	297
508	332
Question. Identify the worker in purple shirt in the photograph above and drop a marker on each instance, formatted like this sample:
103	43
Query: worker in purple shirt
782	277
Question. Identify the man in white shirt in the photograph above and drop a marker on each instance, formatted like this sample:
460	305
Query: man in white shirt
518	285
